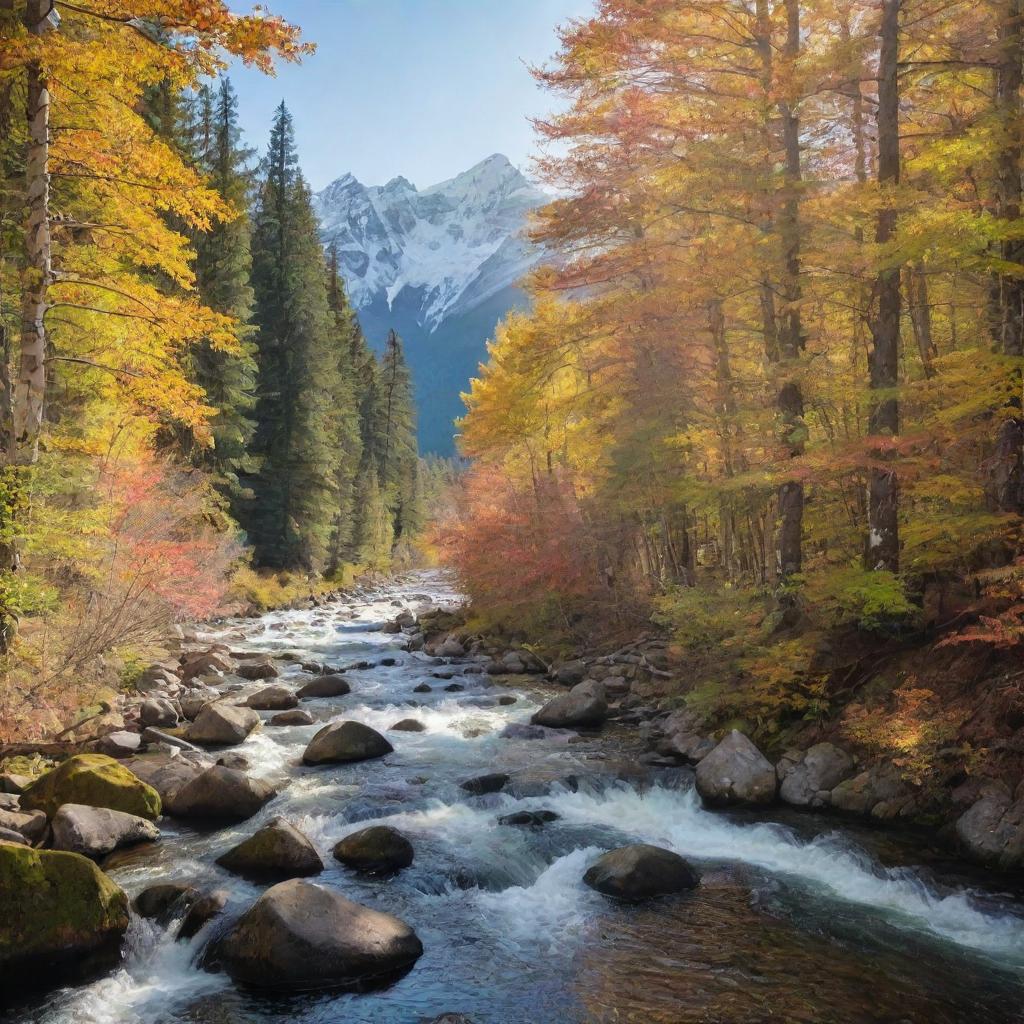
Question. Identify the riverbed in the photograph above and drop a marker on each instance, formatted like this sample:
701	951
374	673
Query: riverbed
795	922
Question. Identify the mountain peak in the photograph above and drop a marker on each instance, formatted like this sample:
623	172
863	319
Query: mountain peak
453	244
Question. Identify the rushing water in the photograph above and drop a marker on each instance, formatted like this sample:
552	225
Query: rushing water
793	925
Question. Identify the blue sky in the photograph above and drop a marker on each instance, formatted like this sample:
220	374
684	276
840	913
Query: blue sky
422	88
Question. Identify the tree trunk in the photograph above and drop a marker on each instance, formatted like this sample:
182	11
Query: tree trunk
790	403
1008	475
883	546
921	317
30	387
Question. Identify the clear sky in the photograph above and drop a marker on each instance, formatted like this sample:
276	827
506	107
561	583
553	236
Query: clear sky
421	88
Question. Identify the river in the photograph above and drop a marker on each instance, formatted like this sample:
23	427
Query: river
801	920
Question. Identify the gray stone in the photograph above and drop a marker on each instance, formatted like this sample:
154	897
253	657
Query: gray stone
278	849
201	912
262	669
482	784
221	794
300	937
158	711
96	831
736	772
272	698
297	717
991	830
569	673
573	710
379	849
30	824
640	872
163	901
118	744
222	724
809	781
325	686
342	742
409	725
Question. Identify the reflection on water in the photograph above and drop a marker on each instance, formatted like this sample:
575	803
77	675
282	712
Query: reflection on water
804	928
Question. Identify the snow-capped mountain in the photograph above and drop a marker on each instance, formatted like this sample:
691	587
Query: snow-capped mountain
455	244
439	265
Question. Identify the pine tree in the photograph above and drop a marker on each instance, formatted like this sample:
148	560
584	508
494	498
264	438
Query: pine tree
291	515
396	447
223	268
346	338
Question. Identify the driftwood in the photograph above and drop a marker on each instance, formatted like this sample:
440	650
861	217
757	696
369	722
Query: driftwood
65	748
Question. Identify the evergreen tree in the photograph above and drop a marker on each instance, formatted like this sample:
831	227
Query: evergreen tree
292	513
373	530
346	338
223	268
395	442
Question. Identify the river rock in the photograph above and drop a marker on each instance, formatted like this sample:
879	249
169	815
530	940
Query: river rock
569	673
422	688
193	700
201	663
222	724
325	686
528	819
200	912
296	717
10	836
96	831
341	742
58	914
221	794
272	698
991	830
96	781
158	711
639	872
409	725
12	782
880	792
278	849
379	849
573	710
483	784
450	648
808	780
166	774
262	669
118	745
233	759
300	937
165	900
736	772
30	825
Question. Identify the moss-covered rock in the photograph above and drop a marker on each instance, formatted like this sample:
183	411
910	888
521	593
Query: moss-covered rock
96	781
59	915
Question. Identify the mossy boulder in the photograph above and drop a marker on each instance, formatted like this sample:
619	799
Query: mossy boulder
59	916
96	781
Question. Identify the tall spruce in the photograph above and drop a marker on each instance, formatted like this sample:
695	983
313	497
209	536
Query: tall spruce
223	268
396	448
292	512
346	339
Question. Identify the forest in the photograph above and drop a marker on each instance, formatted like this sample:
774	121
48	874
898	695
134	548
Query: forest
769	391
191	418
691	691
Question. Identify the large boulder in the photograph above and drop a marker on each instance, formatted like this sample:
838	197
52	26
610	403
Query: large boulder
96	781
59	914
221	794
879	791
201	663
325	686
118	745
640	872
379	849
569	673
221	724
201	911
96	831
166	774
158	711
277	850
736	772
264	668
272	698
301	937
573	710
480	785
991	830
808	779
194	699
165	900
296	717
342	742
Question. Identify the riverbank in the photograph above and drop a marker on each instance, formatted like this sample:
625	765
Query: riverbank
504	818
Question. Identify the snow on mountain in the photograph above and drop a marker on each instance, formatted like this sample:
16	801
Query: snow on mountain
449	247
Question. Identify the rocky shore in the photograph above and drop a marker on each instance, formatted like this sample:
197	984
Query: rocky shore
165	751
